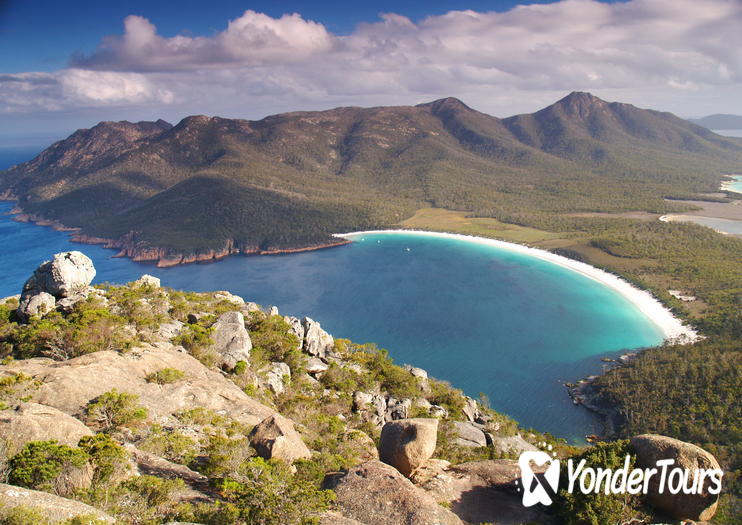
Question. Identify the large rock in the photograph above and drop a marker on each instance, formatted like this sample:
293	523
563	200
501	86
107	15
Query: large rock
148	281
34	422
317	342
468	435
376	494
276	438
650	448
275	375
67	275
408	443
231	340
70	385
38	304
55	508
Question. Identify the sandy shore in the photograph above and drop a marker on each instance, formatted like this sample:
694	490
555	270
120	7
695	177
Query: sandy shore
642	299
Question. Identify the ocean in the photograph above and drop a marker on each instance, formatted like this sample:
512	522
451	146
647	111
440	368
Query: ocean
488	320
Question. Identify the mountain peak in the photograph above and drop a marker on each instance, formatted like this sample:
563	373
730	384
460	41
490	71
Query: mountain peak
445	104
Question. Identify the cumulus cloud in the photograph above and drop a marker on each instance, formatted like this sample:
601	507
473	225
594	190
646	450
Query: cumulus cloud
662	50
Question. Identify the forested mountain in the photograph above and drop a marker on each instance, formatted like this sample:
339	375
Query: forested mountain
289	180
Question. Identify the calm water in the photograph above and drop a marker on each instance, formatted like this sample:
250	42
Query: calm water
735	185
722	225
485	319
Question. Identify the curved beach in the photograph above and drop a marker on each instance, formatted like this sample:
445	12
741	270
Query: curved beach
671	326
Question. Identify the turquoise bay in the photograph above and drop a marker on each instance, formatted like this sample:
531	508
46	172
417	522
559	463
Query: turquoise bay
489	320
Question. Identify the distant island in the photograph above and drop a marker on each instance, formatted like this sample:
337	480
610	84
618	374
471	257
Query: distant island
719	121
210	187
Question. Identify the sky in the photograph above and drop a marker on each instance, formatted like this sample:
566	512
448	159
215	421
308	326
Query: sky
66	65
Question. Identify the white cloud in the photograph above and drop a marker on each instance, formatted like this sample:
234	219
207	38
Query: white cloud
675	54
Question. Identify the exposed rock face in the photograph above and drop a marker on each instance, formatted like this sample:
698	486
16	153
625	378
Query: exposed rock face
227	296
376	494
231	340
482	492
317	342
397	408
650	448
147	280
54	508
34	422
408	443
276	438
70	385
66	275
469	435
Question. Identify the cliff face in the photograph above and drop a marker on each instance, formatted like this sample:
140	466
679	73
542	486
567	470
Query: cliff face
289	181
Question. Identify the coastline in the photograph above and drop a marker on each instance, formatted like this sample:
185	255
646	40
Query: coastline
129	247
672	328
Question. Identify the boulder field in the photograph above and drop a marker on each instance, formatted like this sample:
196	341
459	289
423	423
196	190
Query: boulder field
214	381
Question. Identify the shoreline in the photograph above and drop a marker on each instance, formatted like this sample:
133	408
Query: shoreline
726	185
672	328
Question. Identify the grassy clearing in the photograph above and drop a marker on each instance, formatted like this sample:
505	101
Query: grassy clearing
439	219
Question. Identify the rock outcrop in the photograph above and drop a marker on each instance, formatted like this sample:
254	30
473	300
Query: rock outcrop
482	492
276	438
469	435
70	385
53	507
317	342
68	274
408	443
231	341
650	448
35	422
377	494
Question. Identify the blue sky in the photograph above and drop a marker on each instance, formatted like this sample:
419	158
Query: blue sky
66	65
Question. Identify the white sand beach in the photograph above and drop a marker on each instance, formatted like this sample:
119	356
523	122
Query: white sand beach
671	326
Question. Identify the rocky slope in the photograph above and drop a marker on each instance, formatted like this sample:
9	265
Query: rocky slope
208	186
155	405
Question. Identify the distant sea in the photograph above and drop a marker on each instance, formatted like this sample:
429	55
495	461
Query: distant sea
508	325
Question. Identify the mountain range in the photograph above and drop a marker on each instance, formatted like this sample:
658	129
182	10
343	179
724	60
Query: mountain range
719	121
211	186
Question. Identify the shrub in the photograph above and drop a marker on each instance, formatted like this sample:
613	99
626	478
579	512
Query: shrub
115	409
173	446
16	387
22	515
267	493
107	457
165	376
601	508
45	465
225	455
145	499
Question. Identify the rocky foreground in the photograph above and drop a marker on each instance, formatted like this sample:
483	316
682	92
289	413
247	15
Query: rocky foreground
142	404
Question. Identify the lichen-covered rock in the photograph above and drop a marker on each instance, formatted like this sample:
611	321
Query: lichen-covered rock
315	366
223	295
468	435
408	443
66	274
317	342
147	280
275	376
276	438
376	494
38	304
35	422
296	328
650	448
231	341
512	444
397	408
55	508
